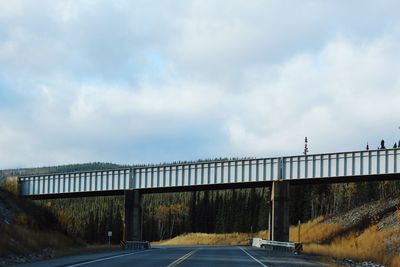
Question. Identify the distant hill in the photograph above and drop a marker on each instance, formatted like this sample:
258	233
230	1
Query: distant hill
61	168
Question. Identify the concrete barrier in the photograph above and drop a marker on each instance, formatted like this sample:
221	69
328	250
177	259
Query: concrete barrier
137	245
277	245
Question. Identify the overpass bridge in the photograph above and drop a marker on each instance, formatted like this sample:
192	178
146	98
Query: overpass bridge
277	172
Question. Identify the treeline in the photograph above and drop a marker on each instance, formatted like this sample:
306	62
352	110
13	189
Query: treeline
56	169
220	211
89	218
223	211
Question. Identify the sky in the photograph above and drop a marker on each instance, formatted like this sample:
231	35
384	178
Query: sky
160	81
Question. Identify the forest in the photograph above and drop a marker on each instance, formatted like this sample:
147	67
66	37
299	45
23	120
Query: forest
213	211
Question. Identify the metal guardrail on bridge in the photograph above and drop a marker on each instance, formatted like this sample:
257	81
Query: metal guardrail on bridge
220	172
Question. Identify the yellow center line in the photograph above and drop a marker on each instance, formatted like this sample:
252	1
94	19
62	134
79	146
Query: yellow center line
183	258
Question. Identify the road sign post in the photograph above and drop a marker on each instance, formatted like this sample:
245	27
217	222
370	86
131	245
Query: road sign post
109	238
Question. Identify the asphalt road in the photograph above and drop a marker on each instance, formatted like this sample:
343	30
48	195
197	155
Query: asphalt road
208	256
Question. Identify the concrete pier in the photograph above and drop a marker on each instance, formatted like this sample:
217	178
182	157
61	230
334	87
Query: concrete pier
133	220
279	212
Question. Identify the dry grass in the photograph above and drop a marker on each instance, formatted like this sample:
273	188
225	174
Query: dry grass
368	246
207	239
314	231
19	239
395	261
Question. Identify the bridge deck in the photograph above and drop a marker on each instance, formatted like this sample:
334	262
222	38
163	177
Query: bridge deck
304	168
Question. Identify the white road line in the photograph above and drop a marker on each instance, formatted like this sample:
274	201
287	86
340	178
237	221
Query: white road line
262	264
104	259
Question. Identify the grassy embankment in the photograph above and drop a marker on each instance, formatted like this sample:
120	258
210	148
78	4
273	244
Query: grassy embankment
26	228
318	237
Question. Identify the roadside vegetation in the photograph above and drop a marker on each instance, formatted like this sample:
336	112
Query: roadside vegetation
28	231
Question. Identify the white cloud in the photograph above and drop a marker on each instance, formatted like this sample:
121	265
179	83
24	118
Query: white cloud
96	81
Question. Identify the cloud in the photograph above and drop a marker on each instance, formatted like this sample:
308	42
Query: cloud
133	82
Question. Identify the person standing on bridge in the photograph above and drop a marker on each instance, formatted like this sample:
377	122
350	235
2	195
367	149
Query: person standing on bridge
395	145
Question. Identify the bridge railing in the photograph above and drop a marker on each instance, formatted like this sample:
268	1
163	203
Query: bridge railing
343	164
371	162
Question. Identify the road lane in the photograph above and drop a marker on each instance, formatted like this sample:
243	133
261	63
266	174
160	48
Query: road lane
185	256
220	256
280	258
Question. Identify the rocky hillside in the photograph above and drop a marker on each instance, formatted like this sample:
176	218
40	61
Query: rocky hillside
28	232
370	232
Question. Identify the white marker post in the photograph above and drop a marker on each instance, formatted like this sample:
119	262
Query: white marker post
109	238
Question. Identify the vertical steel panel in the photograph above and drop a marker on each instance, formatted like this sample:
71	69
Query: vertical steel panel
284	167
253	170
158	174
272	166
113	181
225	172
43	184
119	180
245	172
139	178
153	178
296	167
174	175
58	183
386	162
48	184
306	167
234	170
171	177
107	180
345	172
337	156
238	171
257	170
178	175
200	174
33	185
313	166
188	174
264	169
96	178
229	172
103	179
329	165
160	177
194	174
362	156
321	168
168	176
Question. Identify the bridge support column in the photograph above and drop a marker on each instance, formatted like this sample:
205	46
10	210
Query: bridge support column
279	212
133	220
